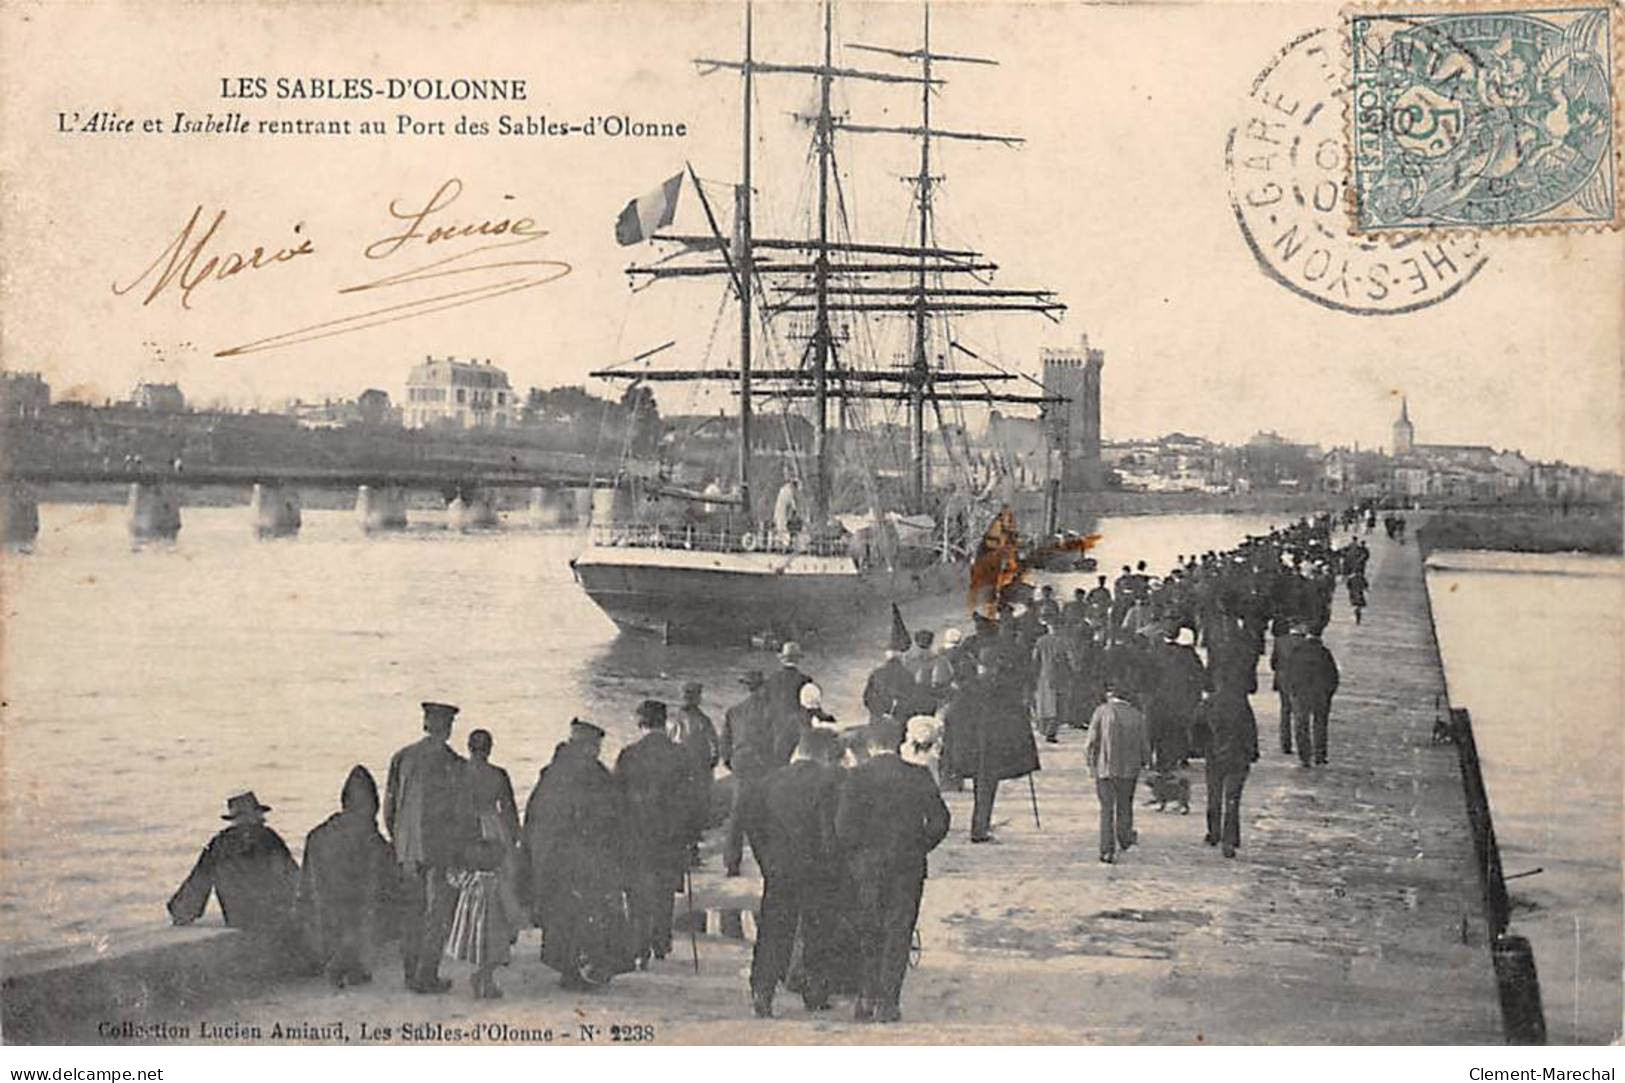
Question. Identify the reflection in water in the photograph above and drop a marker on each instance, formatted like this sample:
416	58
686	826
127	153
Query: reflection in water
144	686
1532	647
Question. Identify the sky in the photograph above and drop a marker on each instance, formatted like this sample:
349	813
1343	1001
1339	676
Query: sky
1117	199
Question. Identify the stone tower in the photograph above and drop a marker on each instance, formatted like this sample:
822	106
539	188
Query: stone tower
1404	431
1073	427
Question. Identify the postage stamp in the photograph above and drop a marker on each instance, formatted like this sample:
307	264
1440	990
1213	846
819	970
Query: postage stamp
1287	163
1484	119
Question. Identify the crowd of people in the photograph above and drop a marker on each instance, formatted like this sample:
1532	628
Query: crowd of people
839	820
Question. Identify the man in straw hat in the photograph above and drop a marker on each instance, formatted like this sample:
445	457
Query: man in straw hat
429	819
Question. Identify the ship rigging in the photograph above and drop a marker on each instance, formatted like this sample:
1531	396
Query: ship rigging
887	538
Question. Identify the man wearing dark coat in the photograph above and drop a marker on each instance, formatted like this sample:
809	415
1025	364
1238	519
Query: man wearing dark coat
693	731
1357	586
429	818
890	690
1286	638
575	839
248	868
791	821
782	692
1180	681
348	883
656	779
889	817
1311	681
1099	603
988	738
748	751
1232	750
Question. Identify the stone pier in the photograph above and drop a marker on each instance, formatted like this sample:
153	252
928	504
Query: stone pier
473	509
558	507
153	510
381	507
544	508
276	510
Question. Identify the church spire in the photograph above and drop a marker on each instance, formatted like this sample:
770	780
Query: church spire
1404	431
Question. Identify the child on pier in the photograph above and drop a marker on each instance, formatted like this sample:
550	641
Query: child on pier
483	926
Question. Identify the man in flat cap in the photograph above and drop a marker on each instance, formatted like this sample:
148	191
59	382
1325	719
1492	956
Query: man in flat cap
429	818
655	776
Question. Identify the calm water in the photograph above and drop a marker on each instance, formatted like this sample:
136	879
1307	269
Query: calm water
1532	647
144	686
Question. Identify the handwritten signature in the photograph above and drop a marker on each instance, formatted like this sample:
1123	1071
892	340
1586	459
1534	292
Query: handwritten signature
196	258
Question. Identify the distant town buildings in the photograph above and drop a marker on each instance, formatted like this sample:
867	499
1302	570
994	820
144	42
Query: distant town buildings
1420	471
371	407
463	394
1074	426
1174	463
159	398
23	395
327	414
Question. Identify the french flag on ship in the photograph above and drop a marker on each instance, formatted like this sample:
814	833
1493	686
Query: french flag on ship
649	212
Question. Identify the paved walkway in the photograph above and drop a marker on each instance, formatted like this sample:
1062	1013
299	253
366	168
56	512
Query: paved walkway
1351	914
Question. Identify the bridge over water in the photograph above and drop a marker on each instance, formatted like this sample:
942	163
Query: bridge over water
557	493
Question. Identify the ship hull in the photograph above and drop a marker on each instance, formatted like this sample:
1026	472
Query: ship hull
689	596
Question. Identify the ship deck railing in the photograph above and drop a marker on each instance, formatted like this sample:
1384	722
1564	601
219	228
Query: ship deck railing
767	540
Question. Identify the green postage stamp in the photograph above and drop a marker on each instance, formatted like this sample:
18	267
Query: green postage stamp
1465	118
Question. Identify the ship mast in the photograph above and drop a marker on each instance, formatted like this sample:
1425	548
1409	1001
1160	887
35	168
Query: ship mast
746	273
847	276
821	337
921	368
927	297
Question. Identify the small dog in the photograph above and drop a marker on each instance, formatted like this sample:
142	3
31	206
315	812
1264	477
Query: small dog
1165	786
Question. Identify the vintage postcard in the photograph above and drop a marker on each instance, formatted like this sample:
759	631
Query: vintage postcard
782	523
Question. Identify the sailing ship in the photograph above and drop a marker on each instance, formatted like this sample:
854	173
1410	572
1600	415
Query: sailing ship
800	541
